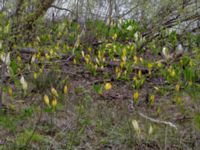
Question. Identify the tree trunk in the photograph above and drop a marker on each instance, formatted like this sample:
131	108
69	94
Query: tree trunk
27	21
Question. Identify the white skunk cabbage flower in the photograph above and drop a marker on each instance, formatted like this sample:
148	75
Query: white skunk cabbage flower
150	130
180	47
165	52
33	58
129	28
179	50
5	58
24	83
137	36
136	126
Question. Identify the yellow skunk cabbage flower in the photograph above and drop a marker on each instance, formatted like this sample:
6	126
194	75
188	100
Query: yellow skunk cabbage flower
65	90
124	52
149	65
46	100
152	99
47	56
108	86
141	60
54	103
190	83
177	87
83	54
159	64
172	73
139	73
33	58
135	59
114	37
35	75
135	96
87	59
54	92
10	92
89	49
74	61
118	72
19	59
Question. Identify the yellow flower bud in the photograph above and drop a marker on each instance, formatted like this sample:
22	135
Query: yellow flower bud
40	70
124	52
141	60
190	83
89	49
135	60
114	37
159	64
149	65
19	59
10	92
139	73
108	86
177	87
83	54
172	73
54	103
74	61
35	75
135	96
134	78
47	56
46	100
65	90
54	92
152	99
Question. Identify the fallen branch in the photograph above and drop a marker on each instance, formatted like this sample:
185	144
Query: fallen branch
158	121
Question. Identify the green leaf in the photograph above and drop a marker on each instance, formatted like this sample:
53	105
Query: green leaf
14	66
98	88
197	121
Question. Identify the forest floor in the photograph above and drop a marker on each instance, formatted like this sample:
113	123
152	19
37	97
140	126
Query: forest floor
85	119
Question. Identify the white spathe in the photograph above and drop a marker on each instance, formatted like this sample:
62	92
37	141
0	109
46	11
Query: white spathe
24	83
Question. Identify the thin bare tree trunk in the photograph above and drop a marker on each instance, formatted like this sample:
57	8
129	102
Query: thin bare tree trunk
110	15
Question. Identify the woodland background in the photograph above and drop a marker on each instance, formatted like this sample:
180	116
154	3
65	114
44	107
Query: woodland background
91	74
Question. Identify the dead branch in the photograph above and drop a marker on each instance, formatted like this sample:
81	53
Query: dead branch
61	8
158	121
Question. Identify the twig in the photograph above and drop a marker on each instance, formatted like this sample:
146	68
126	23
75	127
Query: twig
158	121
61	8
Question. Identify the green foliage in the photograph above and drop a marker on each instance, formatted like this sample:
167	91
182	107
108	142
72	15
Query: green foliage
8	122
98	88
172	37
197	121
24	136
